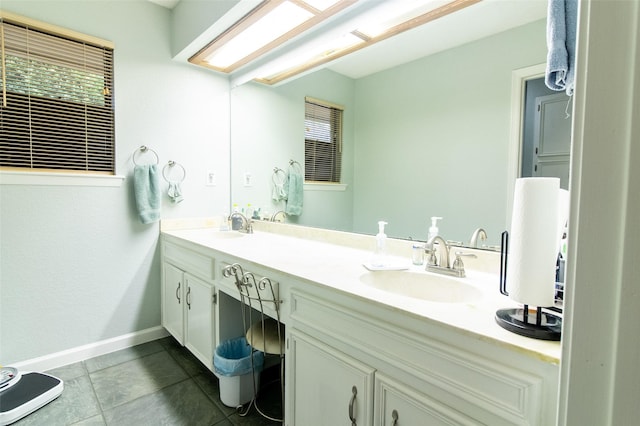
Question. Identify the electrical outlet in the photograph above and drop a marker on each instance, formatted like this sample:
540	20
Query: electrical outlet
210	178
248	179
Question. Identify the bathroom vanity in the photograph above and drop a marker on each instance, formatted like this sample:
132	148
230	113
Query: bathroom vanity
358	352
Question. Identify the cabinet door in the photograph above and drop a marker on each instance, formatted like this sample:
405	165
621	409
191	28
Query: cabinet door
199	304
327	387
173	301
399	405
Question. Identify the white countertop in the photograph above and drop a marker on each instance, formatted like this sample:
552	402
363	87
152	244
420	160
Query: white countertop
340	267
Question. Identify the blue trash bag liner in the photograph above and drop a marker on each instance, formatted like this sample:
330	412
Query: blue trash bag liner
233	358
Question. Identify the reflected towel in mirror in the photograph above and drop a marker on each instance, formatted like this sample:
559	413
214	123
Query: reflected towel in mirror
294	189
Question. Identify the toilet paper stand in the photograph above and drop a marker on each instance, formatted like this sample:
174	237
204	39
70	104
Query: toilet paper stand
525	321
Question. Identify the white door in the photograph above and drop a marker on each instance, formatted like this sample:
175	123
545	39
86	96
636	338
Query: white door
328	387
552	138
199	300
173	300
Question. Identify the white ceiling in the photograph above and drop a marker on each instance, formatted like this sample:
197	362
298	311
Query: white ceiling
472	23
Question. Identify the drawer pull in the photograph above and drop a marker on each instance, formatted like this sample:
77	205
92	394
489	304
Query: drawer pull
352	403
394	417
178	291
189	298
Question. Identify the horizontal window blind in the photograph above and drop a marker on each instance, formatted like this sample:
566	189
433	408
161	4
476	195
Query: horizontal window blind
323	141
57	101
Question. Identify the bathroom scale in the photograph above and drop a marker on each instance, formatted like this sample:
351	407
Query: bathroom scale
23	393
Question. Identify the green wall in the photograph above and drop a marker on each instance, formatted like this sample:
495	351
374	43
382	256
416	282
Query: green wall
432	138
76	265
267	130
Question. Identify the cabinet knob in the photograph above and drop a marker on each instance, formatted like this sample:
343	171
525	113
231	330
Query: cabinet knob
352	404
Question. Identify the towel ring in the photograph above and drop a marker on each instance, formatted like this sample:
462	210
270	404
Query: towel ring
143	149
277	171
169	167
294	163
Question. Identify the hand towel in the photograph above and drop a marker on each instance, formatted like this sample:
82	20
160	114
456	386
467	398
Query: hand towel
146	188
278	194
562	17
175	192
294	189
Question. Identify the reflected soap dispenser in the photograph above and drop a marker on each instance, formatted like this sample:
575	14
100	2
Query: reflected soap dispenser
381	245
433	230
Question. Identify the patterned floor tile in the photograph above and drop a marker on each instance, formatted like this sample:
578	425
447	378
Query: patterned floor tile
133	379
157	383
180	404
77	402
124	355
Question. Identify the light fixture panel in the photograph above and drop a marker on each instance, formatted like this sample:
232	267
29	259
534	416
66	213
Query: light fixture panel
274	24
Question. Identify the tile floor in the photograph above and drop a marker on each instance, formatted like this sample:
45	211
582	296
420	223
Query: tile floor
156	383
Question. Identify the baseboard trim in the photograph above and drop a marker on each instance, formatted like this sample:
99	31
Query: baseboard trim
80	353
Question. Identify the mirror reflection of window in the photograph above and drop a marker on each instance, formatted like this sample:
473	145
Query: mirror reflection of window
322	141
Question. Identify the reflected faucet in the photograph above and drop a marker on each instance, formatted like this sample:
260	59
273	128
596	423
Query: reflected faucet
246	226
478	233
279	216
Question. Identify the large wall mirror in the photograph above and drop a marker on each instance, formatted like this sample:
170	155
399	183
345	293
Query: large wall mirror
428	137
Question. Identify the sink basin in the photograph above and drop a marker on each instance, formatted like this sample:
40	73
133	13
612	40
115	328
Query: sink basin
421	285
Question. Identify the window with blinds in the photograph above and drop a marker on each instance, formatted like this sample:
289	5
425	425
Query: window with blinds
57	110
322	141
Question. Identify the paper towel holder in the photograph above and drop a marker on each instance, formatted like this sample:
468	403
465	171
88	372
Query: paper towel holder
545	325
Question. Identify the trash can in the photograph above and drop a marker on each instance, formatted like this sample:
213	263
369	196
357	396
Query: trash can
232	365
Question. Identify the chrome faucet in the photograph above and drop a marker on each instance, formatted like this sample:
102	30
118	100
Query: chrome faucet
478	233
443	259
441	264
247	226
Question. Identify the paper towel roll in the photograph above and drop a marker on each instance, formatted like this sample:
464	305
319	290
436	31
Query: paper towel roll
533	241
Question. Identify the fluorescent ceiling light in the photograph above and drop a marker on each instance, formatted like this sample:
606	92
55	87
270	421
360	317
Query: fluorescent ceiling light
274	24
395	12
267	26
312	54
321	5
388	18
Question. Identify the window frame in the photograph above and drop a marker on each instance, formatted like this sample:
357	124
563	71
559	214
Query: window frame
336	136
18	174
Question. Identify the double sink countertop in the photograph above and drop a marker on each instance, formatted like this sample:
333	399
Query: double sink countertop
336	260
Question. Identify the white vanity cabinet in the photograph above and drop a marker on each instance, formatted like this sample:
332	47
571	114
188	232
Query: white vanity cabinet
189	300
328	387
422	374
352	358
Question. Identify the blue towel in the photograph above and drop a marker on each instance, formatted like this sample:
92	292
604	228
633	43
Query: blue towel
562	19
294	190
146	188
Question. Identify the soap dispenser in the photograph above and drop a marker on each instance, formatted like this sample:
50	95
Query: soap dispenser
433	230
381	245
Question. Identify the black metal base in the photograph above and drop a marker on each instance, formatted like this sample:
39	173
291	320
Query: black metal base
530	323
